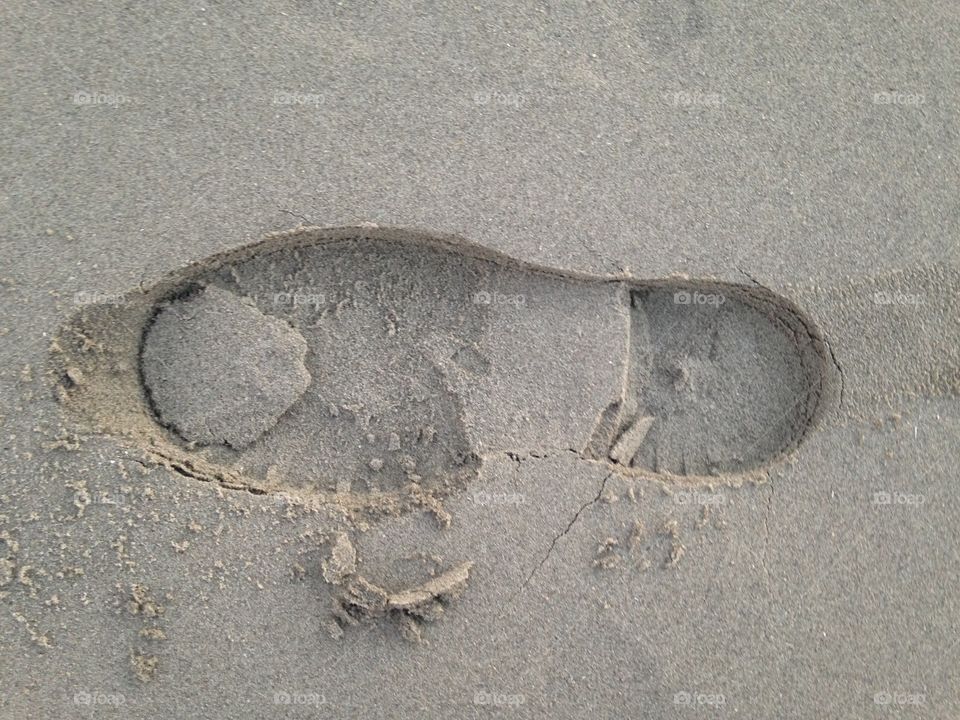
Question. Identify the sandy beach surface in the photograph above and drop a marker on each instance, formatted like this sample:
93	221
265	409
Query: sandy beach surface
440	360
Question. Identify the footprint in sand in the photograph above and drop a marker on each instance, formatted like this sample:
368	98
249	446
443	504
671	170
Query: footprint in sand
376	368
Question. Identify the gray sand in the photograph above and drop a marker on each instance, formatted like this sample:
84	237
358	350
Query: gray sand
805	150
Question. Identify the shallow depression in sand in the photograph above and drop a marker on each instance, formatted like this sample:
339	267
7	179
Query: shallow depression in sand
377	368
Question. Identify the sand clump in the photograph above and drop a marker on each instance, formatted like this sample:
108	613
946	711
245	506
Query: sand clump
142	604
357	599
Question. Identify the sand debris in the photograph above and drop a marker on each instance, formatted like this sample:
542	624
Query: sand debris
358	600
631	440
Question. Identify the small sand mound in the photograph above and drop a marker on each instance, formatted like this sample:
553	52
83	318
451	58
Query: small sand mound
219	371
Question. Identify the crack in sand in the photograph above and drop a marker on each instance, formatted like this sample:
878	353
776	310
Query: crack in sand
836	364
296	215
603	485
521	455
752	278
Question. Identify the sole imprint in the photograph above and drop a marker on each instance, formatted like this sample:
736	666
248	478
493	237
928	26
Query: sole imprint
722	379
376	368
